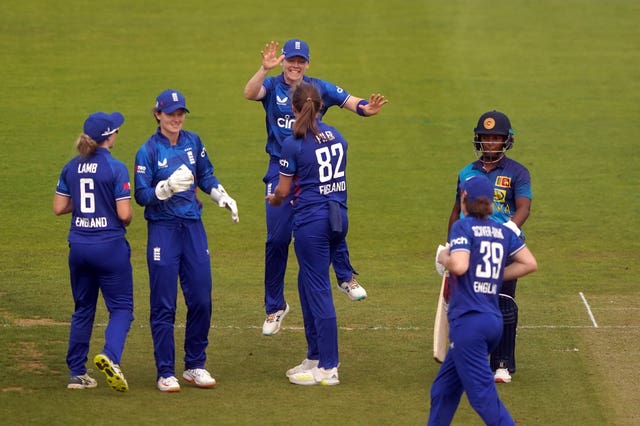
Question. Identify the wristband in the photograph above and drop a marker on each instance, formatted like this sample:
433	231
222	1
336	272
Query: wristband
359	110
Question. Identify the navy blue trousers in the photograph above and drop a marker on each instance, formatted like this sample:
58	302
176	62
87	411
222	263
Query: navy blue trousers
466	369
279	231
315	245
93	268
178	249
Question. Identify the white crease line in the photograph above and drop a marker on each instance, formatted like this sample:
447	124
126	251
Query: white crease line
584	300
372	328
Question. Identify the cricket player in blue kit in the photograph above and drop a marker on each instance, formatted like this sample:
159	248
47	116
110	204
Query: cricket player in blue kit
493	137
170	167
476	258
94	187
314	160
275	94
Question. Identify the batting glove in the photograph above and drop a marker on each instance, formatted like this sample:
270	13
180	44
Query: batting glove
220	196
440	269
511	225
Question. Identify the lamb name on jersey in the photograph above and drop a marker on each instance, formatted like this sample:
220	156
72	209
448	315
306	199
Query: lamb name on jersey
87	168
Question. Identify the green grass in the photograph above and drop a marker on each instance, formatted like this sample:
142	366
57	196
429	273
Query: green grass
566	73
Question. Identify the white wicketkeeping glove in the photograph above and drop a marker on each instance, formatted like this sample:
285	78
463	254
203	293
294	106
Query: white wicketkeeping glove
179	181
509	224
220	196
440	269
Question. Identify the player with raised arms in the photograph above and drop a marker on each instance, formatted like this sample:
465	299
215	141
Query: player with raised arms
275	95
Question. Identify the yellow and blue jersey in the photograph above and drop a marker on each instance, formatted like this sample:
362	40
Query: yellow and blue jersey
511	180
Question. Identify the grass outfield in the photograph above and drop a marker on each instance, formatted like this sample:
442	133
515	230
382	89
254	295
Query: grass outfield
566	73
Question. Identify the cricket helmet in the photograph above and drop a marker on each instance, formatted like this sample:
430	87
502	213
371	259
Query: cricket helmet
493	123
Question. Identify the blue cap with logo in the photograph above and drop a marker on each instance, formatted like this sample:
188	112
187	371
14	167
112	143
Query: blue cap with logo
494	123
477	187
100	125
171	100
296	47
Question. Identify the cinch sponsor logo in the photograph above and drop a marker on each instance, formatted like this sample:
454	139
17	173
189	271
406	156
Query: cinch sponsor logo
459	240
284	163
503	181
285	122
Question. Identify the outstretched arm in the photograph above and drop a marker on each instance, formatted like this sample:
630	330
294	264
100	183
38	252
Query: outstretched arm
270	59
366	108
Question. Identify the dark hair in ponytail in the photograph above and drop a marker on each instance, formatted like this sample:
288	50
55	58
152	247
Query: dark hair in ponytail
306	102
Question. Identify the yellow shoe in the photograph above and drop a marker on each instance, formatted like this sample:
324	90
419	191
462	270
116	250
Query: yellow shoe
115	378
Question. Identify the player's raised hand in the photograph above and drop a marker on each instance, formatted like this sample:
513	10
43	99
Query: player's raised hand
270	55
376	102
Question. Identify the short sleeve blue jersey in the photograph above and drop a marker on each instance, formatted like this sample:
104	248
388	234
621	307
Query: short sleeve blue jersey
279	112
318	166
510	179
156	160
95	184
489	244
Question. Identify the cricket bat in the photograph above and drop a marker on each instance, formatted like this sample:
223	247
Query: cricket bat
441	324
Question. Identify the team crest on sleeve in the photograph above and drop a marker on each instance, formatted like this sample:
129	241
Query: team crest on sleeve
503	181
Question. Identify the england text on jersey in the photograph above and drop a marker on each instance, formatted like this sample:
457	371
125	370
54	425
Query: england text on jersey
333	187
91	222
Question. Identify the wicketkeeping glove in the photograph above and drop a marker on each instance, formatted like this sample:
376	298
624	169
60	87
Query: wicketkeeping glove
440	269
220	196
179	181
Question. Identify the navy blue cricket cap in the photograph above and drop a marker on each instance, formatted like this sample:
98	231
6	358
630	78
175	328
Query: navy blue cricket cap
171	100
100	125
296	47
494	123
477	187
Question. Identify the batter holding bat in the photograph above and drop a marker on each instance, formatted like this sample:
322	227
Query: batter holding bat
275	95
170	167
476	259
493	137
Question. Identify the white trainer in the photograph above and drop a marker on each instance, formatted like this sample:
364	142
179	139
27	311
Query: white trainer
82	382
168	384
502	376
353	289
273	321
306	365
316	376
200	377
